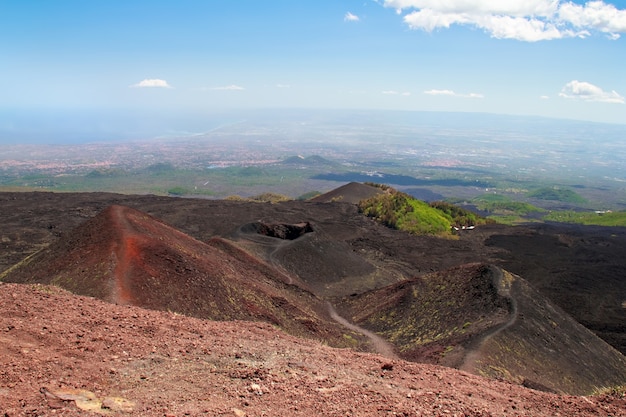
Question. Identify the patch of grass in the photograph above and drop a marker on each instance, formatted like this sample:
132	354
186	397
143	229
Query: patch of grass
21	263
179	191
617	391
499	204
557	194
308	196
270	198
350	341
457	215
510	220
617	218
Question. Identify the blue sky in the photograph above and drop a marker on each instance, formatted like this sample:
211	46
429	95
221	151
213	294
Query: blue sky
528	57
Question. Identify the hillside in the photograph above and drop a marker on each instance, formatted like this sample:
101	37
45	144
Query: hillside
69	355
352	192
128	257
295	256
485	320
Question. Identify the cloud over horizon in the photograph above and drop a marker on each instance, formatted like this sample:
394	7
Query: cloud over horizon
396	93
585	91
231	87
151	83
450	93
523	20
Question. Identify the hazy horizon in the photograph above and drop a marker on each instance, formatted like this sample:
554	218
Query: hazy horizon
57	127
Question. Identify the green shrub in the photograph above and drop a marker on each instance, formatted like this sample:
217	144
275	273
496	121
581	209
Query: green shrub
403	212
179	191
457	215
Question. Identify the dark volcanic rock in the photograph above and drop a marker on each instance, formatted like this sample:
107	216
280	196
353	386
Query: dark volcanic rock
281	230
487	321
346	254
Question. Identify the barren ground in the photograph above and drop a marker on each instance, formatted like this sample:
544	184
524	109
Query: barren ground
63	354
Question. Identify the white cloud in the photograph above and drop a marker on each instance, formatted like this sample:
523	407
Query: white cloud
440	92
524	20
544	97
451	93
588	92
231	87
508	7
349	17
151	83
396	93
283	86
595	15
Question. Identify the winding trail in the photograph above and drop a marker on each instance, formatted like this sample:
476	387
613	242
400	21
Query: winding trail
381	346
503	282
274	245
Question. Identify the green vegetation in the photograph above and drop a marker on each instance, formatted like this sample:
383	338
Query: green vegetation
251	172
309	195
617	218
403	212
557	194
503	209
457	215
439	307
100	173
160	169
503	205
270	198
618	391
179	191
261	198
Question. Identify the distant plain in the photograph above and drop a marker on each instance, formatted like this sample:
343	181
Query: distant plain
492	162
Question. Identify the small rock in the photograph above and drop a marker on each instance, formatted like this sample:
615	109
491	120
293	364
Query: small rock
238	412
387	367
255	388
118	404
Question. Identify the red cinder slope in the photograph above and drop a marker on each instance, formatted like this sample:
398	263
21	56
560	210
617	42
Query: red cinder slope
125	256
57	348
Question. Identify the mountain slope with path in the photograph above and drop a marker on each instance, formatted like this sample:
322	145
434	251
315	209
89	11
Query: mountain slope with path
228	271
125	256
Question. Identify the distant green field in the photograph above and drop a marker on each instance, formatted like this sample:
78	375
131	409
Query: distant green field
557	194
499	204
617	218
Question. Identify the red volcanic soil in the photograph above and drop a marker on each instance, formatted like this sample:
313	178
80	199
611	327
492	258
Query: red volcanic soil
125	256
68	355
229	271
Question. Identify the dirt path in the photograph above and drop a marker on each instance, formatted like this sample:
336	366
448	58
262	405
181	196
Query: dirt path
272	244
504	284
380	345
121	252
